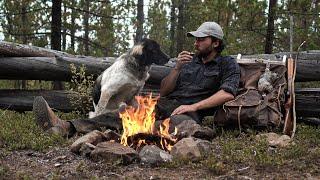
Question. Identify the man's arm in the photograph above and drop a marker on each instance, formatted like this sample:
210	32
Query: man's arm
227	92
169	83
216	99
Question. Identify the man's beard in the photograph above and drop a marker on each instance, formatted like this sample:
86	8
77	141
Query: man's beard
204	53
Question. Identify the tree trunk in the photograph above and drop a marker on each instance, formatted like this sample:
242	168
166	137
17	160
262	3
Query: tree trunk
180	26
86	27
22	84
56	34
73	25
270	29
64	30
140	21
56	25
173	19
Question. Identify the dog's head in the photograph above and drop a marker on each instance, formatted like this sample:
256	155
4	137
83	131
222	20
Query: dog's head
148	52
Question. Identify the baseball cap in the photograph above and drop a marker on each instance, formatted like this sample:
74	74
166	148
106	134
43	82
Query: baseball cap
208	29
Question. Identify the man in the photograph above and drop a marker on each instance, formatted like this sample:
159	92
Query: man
195	87
199	84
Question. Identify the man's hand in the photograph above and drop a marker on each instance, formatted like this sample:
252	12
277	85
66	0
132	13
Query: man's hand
184	108
183	58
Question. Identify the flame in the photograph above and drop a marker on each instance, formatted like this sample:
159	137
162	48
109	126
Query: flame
142	120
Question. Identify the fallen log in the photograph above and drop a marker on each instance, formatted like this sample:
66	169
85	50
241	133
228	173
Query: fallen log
22	100
10	49
58	68
308	63
307	100
309	120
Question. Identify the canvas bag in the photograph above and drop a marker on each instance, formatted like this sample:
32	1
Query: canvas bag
251	107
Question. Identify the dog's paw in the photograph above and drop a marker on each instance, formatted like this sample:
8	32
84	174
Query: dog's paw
122	107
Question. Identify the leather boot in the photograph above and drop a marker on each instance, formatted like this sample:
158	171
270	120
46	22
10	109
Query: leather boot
47	120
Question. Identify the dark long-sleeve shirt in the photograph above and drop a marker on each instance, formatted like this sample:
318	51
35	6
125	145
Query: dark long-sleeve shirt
198	81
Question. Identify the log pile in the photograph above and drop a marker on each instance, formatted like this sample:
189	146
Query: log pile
24	62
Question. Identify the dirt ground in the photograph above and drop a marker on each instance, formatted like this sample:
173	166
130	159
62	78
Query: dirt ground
60	163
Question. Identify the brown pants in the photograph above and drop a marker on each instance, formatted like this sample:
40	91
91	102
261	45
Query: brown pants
163	110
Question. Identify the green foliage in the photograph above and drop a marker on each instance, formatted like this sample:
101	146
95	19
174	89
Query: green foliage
6	84
233	151
3	171
30	84
246	151
82	84
19	131
112	24
158	26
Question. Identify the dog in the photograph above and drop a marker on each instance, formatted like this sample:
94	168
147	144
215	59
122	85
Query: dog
117	86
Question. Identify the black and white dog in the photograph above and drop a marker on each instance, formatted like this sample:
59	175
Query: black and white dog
125	78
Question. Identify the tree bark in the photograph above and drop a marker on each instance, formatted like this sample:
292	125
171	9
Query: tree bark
270	29
56	25
64	30
9	49
22	100
22	84
58	68
180	26
86	27
307	100
173	19
140	21
73	25
56	34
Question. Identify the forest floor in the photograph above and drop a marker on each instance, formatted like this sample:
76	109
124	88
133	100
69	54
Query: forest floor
28	153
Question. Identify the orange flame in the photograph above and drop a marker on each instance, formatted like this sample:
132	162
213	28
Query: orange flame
142	120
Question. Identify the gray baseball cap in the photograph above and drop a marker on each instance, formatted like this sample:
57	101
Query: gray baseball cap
208	29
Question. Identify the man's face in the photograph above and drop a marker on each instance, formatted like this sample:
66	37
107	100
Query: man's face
204	46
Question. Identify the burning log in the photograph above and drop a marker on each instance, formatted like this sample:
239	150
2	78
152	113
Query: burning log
139	125
138	141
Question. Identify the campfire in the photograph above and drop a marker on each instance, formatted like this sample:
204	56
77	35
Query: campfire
139	126
144	139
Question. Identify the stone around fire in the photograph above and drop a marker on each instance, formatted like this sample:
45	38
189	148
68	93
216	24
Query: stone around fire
153	155
191	148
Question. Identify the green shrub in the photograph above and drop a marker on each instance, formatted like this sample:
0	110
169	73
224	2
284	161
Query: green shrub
19	131
82	84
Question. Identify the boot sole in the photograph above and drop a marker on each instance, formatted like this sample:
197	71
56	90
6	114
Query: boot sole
41	113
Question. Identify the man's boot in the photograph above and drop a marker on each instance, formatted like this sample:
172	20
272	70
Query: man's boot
47	120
